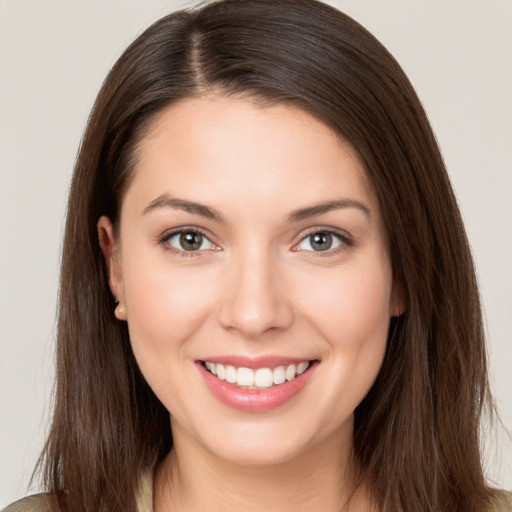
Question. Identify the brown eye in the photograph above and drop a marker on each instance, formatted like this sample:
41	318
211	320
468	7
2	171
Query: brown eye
188	241
191	241
322	241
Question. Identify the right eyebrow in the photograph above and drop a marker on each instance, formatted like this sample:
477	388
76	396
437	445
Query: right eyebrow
321	208
166	201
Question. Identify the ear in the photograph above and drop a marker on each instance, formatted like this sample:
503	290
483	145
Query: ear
398	303
110	250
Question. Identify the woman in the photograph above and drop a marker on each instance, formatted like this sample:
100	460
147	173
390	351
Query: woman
267	296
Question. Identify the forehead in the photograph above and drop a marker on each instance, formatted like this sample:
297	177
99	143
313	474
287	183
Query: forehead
212	146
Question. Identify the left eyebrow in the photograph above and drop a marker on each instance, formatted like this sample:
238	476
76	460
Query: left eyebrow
319	209
166	201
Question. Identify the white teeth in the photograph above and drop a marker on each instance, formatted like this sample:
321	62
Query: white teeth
279	375
245	377
261	378
230	374
291	372
221	372
302	367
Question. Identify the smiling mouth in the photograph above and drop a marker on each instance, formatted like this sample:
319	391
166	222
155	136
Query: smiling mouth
260	378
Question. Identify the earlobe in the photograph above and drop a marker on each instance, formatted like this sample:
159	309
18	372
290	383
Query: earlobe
120	312
110	250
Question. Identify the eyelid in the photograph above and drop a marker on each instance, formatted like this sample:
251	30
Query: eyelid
168	234
345	238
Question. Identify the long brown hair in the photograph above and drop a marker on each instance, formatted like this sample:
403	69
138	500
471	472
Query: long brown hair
416	438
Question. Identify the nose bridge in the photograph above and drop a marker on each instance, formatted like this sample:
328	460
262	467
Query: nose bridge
256	300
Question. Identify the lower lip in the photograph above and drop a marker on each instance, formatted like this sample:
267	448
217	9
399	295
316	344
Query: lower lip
255	400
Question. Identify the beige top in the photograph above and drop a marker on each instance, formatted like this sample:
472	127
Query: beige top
502	501
46	503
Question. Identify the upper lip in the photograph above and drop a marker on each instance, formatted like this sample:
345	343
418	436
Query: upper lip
269	361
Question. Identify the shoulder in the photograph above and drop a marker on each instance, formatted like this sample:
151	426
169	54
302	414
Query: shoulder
501	501
46	502
36	503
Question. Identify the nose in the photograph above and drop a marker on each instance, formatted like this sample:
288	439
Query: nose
256	300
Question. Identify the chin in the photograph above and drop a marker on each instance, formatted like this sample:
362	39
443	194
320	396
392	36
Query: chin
256	456
259	444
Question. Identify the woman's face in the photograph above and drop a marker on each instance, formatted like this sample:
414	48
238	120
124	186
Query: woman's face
251	246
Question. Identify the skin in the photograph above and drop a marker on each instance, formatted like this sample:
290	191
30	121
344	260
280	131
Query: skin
256	287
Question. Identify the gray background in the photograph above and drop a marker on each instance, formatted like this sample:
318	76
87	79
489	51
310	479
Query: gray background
53	58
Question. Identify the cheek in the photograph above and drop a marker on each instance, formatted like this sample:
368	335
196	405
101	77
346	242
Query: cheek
165	305
352	308
352	315
166	308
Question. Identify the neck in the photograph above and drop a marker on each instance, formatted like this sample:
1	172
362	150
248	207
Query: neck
193	479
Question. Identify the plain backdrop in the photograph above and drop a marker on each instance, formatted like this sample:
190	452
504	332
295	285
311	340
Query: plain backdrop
54	56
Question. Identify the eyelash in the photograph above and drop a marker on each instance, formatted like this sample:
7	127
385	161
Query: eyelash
164	241
343	238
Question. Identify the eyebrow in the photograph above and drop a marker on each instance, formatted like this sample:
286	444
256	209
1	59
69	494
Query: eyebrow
166	201
327	206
